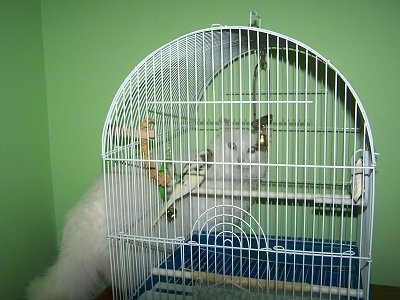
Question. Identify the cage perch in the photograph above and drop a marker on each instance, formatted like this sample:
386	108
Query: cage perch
254	283
162	177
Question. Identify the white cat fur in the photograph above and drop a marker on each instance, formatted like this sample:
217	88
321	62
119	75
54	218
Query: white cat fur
83	253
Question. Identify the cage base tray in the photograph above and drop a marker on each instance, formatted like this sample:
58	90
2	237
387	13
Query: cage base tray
241	265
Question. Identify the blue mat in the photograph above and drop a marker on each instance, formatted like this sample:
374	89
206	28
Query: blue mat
319	262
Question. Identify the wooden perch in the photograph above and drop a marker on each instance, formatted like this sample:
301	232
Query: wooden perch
162	177
130	132
248	282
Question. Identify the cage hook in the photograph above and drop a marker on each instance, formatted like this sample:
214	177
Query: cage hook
256	22
262	65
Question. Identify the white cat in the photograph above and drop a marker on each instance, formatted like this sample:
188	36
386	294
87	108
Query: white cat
84	260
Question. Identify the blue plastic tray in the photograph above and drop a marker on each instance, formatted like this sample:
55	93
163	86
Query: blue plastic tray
319	262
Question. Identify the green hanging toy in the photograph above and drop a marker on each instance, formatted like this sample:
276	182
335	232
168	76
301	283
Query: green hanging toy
166	167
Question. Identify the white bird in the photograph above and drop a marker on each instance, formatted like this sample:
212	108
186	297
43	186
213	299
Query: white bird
193	174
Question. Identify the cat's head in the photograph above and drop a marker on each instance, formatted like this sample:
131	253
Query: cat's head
237	148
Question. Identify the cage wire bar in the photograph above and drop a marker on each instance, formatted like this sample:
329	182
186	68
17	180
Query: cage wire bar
301	227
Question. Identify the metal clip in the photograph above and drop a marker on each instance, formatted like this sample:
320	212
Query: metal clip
171	213
262	125
257	19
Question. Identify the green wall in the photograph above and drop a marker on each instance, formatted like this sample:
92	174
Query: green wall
90	46
27	222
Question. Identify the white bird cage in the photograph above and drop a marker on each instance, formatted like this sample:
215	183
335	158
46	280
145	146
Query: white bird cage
301	229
